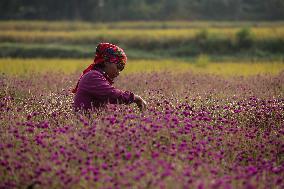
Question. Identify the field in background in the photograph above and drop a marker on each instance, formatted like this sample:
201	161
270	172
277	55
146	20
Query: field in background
142	39
67	25
200	65
125	35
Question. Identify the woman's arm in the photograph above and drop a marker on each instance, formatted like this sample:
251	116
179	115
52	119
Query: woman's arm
96	84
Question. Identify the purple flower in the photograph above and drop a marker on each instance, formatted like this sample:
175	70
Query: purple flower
127	155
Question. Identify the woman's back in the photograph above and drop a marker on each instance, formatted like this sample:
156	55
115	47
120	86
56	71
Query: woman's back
96	90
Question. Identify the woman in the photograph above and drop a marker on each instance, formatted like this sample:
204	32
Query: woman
94	88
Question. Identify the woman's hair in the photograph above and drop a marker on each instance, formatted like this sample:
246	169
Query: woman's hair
99	66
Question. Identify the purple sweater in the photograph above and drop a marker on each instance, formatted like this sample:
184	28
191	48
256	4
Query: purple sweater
95	90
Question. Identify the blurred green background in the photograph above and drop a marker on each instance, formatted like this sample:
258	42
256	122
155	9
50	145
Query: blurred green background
239	31
113	10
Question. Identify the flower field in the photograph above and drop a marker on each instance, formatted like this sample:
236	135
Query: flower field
215	116
201	130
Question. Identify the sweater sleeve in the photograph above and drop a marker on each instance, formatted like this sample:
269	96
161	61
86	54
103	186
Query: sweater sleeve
98	86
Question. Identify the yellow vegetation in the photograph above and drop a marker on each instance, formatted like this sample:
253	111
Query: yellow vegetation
83	32
27	66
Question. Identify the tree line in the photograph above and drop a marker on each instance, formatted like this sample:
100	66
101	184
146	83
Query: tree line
118	10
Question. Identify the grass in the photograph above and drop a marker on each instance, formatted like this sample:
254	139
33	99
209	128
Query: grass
79	32
126	35
11	66
79	25
30	39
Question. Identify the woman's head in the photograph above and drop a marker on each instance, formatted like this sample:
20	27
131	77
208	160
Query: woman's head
110	58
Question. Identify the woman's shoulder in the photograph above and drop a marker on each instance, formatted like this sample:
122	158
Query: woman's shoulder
94	74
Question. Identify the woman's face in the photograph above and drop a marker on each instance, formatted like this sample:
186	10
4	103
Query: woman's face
112	70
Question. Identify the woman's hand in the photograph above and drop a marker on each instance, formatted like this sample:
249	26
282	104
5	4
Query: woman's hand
142	104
